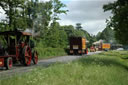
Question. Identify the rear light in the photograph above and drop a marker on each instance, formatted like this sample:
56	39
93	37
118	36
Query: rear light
83	51
87	51
71	51
79	51
2	62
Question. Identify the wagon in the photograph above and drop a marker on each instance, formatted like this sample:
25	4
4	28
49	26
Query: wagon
15	46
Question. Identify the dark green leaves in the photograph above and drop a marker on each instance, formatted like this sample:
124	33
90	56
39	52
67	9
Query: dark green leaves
119	19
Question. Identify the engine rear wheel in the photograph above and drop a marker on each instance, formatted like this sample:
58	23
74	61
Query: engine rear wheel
8	63
35	57
27	56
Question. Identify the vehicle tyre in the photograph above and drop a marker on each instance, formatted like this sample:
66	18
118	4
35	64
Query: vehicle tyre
35	57
26	55
8	63
86	51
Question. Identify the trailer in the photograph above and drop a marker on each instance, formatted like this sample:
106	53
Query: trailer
16	48
106	46
77	45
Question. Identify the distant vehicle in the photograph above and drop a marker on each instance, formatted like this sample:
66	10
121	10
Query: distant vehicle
99	45
106	46
120	49
77	45
92	49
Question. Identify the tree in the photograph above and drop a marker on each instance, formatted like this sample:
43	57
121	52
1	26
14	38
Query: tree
69	29
14	9
79	33
63	39
107	34
53	35
39	16
46	12
58	9
98	36
86	34
119	19
78	26
52	38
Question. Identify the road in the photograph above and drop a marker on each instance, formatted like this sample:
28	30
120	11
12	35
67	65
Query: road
19	69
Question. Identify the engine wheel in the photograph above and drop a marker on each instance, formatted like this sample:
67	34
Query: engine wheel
35	57
8	63
27	56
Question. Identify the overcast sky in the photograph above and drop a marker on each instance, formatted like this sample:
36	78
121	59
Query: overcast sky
87	12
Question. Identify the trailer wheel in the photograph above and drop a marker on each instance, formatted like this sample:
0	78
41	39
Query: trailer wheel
27	56
8	63
86	51
35	57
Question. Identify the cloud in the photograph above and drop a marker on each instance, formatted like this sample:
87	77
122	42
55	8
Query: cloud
2	14
88	12
44	0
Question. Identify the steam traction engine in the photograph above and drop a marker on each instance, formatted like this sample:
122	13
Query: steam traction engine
17	47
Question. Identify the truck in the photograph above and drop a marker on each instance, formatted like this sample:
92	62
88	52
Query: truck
106	46
77	45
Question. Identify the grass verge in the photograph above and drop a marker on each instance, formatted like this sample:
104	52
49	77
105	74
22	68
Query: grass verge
108	68
45	53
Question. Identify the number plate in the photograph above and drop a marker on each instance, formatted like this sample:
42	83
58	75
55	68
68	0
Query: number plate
75	46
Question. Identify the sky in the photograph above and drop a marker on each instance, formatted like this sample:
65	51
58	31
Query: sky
89	13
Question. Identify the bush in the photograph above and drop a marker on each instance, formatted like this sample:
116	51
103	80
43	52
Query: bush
49	51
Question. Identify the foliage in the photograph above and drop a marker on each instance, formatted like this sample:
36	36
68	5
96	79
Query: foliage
52	38
69	29
105	68
119	19
49	52
92	39
87	35
39	16
15	18
107	35
78	26
58	9
63	39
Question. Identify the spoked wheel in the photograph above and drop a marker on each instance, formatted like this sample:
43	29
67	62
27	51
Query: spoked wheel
35	57
27	56
8	63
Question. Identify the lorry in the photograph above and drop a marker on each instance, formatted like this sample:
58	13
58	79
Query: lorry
106	46
77	45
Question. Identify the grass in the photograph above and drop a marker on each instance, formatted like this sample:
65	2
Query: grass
45	53
108	68
49	52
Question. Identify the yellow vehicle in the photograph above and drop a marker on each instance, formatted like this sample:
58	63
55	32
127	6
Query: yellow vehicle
106	46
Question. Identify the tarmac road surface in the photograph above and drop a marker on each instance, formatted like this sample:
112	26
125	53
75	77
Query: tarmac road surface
19	69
